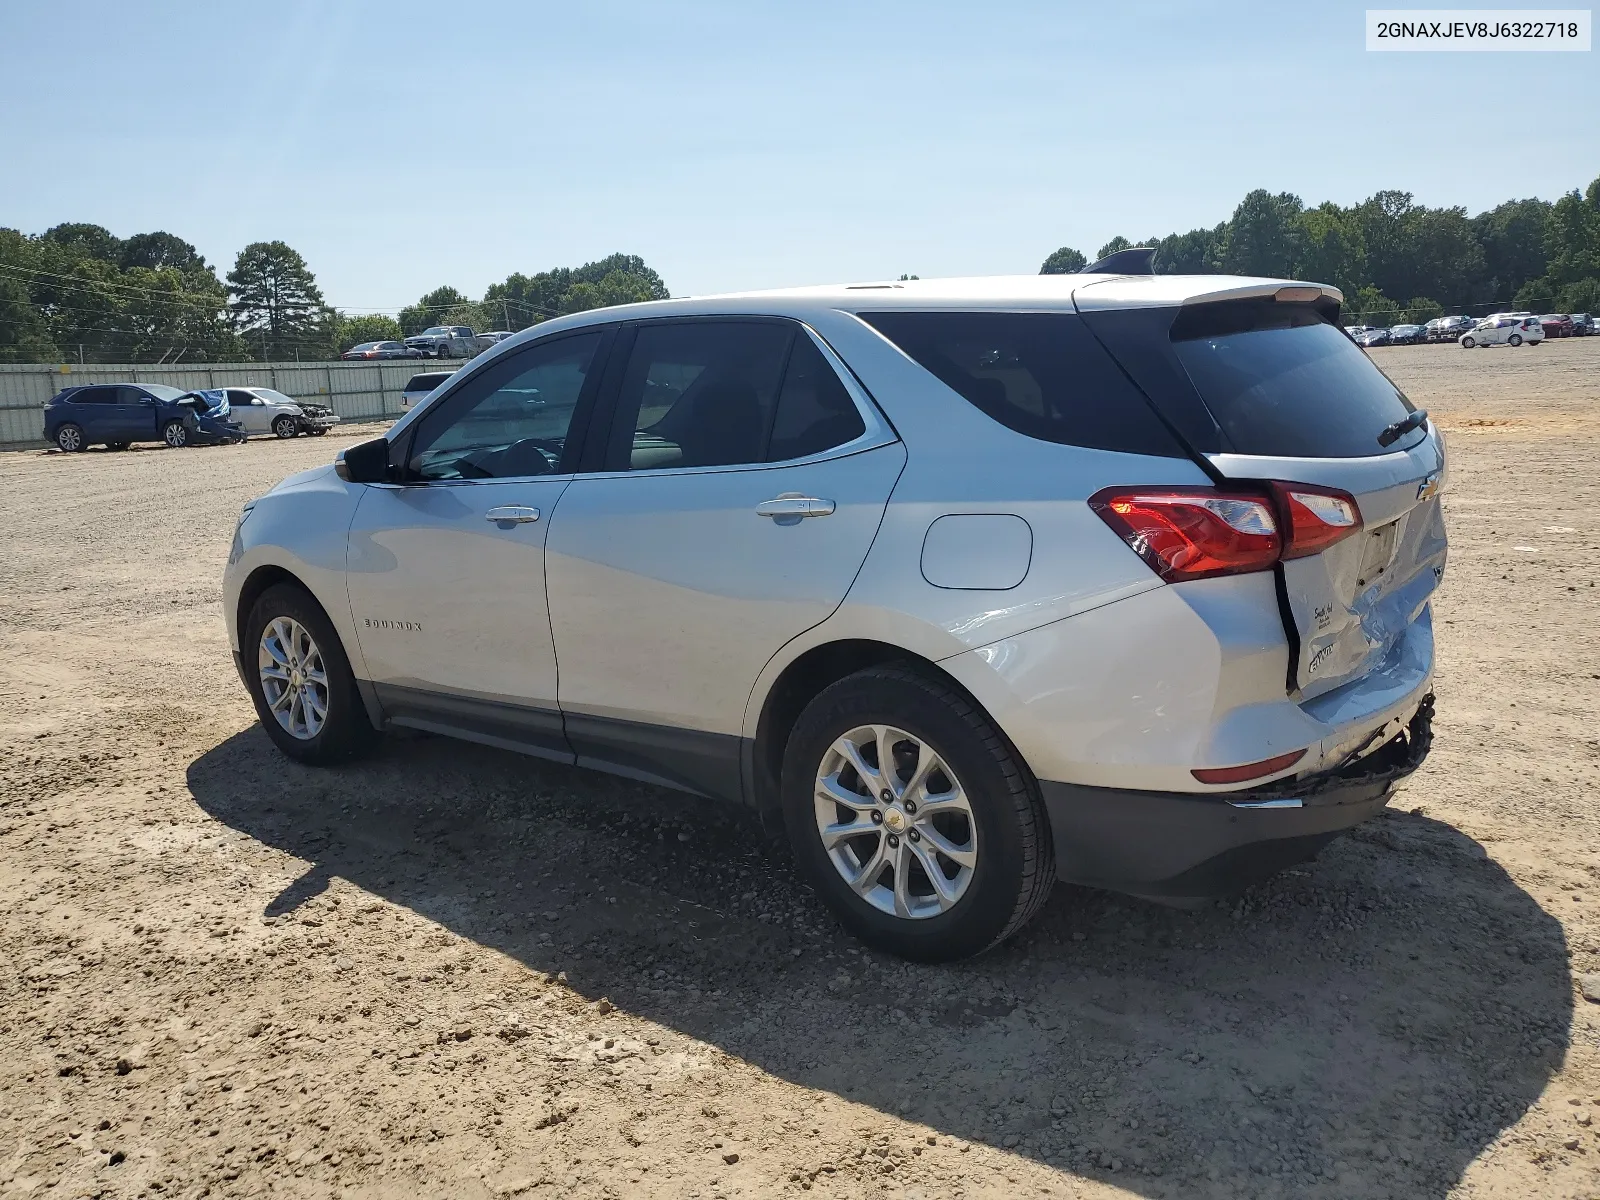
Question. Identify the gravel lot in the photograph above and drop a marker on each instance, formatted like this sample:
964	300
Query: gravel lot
457	972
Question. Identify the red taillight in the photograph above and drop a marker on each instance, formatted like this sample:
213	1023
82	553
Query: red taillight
1255	770
1196	533
1318	517
1192	533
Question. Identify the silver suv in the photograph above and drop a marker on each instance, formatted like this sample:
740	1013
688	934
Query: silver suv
973	584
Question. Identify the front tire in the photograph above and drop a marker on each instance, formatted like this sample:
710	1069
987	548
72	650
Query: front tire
175	434
1468	343
284	427
944	855
1515	339
300	679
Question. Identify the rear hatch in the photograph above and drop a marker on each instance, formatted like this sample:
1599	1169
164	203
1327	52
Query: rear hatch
1263	388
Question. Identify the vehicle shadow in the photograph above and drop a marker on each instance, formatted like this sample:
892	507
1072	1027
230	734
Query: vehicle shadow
1363	1025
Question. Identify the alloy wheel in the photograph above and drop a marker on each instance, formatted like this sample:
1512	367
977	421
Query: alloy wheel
294	679
176	435
895	822
70	438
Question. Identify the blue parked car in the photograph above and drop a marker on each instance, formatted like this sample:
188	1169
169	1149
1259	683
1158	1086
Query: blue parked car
116	415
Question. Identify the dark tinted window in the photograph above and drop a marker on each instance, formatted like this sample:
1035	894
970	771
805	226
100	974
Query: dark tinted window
426	383
1280	380
815	413
1041	374
698	394
95	395
509	421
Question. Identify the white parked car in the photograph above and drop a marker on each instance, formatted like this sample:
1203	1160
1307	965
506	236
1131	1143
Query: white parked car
264	410
1504	331
970	583
419	387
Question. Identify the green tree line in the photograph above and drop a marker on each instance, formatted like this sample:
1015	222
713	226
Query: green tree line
1397	260
77	292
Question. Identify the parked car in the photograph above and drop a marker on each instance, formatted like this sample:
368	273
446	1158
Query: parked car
1354	332
1556	325
370	350
498	336
1504	331
1448	329
208	419
1582	325
448	341
1373	337
419	387
118	414
263	410
964	629
1406	335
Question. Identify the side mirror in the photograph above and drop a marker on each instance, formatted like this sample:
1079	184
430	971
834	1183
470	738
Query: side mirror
367	462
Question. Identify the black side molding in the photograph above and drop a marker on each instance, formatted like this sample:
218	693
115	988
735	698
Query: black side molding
1135	260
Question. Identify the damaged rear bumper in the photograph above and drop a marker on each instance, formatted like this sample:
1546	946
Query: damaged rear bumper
1182	846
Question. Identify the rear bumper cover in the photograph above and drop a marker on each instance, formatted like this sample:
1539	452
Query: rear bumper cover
1187	846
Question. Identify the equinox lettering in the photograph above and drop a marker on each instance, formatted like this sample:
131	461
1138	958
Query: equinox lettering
399	626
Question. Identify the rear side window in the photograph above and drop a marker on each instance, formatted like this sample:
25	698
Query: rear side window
698	394
426	383
815	413
1280	380
95	395
1041	374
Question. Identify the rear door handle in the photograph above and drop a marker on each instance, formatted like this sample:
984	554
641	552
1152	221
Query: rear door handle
795	507
513	514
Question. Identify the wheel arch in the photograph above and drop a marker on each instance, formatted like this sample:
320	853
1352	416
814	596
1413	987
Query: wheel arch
256	583
800	682
268	575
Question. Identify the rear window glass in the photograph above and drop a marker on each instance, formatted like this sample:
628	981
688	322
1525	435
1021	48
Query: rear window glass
1280	380
1040	374
426	383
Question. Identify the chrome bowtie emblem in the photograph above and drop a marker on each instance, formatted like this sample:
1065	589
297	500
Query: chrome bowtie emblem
1429	487
895	819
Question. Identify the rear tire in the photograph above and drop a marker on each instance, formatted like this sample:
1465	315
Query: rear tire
70	439
1009	856
284	427
344	732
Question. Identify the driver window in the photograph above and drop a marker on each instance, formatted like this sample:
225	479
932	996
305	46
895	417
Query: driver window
511	420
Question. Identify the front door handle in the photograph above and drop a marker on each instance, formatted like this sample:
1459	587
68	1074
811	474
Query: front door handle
513	514
788	509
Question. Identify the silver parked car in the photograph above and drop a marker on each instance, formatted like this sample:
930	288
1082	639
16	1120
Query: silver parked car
265	410
419	387
974	584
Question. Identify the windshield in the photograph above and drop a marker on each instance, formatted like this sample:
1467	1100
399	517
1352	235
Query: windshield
437	329
1280	380
274	397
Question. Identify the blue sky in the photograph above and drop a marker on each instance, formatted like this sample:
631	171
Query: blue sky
741	144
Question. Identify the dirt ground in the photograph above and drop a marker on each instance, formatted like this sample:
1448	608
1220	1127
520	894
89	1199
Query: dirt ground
451	971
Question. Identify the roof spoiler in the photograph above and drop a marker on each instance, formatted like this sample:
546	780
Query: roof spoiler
1136	260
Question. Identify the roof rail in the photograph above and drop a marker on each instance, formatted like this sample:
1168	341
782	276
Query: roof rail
1135	260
